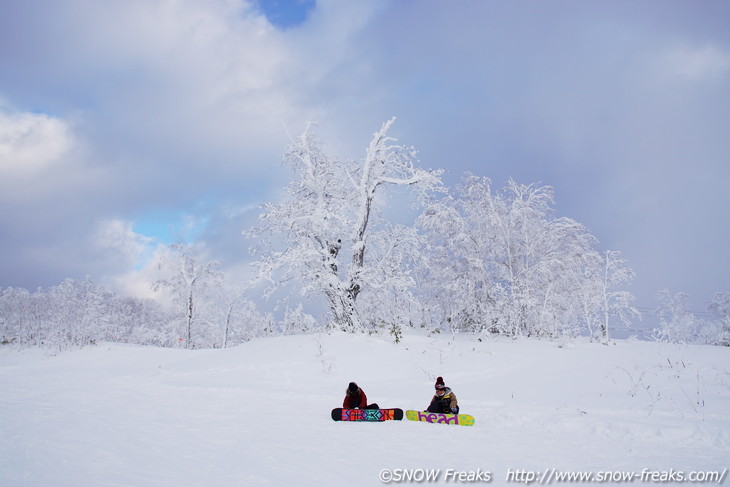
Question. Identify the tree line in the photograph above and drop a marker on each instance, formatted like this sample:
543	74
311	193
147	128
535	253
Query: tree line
474	260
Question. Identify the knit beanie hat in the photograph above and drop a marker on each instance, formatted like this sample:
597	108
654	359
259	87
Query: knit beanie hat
439	383
352	387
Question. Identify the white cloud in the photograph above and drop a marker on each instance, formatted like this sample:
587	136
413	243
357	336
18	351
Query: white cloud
697	63
134	255
31	143
117	236
138	283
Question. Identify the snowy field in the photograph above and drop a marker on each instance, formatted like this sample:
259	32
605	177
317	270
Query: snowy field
259	414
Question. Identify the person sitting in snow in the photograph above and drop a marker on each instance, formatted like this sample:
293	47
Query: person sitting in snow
355	398
444	401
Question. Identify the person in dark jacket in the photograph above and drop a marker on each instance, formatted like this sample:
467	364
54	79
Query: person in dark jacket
355	398
444	400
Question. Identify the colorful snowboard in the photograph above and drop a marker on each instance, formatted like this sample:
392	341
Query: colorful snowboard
339	414
462	419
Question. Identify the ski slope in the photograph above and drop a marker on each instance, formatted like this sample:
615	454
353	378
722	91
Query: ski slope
259	414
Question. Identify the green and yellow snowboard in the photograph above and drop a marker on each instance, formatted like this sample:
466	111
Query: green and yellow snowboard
462	419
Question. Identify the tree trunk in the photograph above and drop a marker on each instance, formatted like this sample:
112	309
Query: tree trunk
189	343
228	326
342	304
604	325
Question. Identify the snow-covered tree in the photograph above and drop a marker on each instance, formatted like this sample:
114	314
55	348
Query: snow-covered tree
390	297
602	296
325	223
81	310
296	321
188	281
461	238
719	307
616	302
141	321
677	324
502	262
21	317
237	317
78	313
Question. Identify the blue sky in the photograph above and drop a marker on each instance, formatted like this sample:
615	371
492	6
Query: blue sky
127	124
286	13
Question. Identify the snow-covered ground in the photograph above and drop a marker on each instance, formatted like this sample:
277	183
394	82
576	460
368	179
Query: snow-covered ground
259	414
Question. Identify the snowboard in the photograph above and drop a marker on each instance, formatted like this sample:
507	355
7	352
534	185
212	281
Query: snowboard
339	414
462	419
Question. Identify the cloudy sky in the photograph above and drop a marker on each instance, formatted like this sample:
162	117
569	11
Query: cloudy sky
129	124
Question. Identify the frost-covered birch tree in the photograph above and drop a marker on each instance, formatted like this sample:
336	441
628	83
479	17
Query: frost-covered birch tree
82	311
319	235
21	317
461	245
187	281
237	318
390	299
719	307
502	262
676	323
616	301
79	313
502	255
